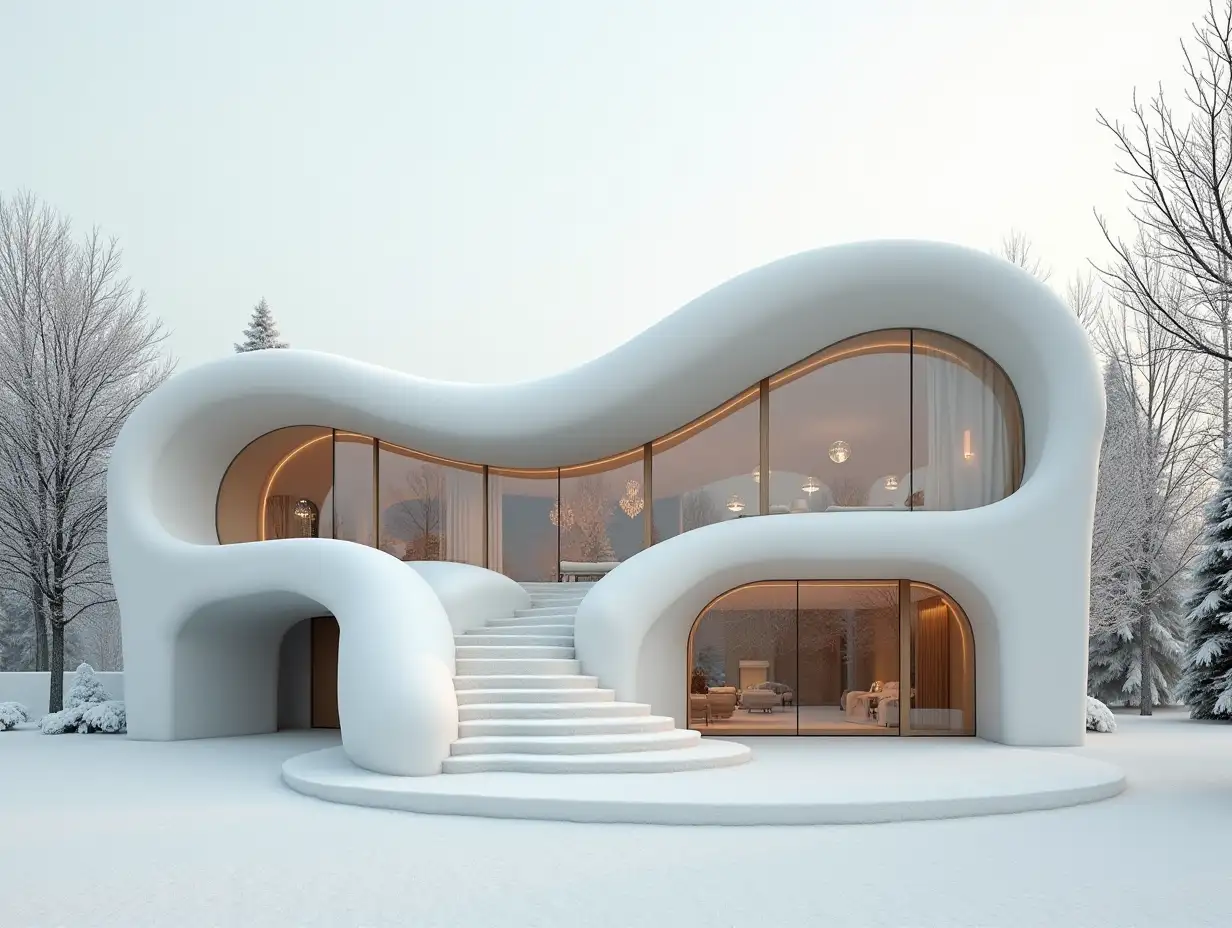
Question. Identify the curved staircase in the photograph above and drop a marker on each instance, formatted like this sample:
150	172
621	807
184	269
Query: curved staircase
525	707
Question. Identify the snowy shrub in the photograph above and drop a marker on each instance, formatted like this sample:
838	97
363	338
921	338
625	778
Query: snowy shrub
66	720
107	717
12	714
87	689
1099	716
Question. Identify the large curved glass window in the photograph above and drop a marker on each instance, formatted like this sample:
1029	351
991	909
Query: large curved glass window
603	508
967	445
707	471
840	427
899	419
278	487
429	510
354	497
832	658
524	517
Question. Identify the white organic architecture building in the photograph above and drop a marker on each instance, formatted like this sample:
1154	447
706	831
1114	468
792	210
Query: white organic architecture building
850	492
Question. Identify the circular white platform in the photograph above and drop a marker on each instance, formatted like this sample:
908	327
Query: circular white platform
790	781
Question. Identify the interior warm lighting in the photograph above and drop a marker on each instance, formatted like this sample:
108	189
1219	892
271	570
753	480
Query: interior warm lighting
891	482
757	475
735	503
968	454
273	475
631	503
561	518
811	486
839	452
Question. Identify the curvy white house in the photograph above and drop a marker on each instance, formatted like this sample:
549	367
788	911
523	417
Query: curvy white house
848	493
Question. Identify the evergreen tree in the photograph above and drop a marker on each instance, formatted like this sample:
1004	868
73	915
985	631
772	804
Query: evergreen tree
1206	681
1136	618
262	331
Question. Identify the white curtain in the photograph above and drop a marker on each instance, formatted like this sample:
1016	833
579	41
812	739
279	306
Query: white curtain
972	452
463	520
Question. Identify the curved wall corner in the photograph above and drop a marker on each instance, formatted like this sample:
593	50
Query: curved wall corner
471	595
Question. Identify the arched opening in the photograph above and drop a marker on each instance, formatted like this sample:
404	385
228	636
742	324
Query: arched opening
832	657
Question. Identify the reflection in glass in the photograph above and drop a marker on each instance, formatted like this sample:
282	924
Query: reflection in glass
942	665
840	425
849	657
968	444
354	495
429	510
523	517
743	662
604	509
269	478
704	472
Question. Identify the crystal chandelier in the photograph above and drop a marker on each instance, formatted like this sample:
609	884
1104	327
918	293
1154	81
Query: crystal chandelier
561	518
631	503
839	452
811	486
891	482
735	503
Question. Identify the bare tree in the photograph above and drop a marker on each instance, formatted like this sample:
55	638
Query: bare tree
78	352
1179	165
419	520
1016	248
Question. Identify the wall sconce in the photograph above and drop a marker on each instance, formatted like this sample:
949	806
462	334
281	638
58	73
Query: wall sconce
968	454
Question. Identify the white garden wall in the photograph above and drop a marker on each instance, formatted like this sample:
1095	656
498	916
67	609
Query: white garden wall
33	689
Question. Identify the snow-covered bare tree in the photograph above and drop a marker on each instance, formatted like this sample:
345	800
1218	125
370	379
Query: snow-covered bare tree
1016	248
16	632
78	352
262	331
1206	678
1152	484
1177	158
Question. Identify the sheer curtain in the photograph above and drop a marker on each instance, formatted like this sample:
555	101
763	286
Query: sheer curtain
968	419
463	520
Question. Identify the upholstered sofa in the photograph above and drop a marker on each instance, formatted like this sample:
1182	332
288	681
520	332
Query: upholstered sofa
759	700
722	701
858	703
782	690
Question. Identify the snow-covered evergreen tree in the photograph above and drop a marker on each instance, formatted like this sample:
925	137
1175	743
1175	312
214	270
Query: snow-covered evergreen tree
87	689
262	331
1206	681
1139	547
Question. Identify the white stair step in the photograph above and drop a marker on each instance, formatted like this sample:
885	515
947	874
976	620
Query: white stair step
526	681
575	744
513	650
553	641
552	710
558	630
557	619
541	610
557	584
545	697
489	666
707	754
628	725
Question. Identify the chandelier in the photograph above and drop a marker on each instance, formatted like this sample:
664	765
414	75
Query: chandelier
839	452
561	518
811	486
757	475
891	482
735	503
631	503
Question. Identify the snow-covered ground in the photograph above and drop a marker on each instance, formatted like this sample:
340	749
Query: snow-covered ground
99	831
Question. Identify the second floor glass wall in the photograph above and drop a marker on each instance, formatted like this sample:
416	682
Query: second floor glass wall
900	419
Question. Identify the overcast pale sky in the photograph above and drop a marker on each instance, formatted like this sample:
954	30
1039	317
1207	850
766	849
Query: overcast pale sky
496	190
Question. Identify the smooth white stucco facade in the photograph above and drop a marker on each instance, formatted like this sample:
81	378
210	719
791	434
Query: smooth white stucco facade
196	612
